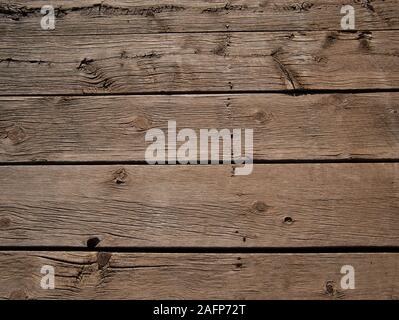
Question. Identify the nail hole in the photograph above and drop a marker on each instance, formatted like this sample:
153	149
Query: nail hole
288	220
93	242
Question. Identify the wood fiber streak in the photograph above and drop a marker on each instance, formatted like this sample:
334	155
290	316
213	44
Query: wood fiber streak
194	62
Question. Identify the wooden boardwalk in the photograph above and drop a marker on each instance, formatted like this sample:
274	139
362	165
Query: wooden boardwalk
77	194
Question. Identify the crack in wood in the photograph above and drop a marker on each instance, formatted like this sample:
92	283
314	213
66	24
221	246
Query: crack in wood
299	7
226	8
149	55
84	63
16	12
32	61
288	75
144	266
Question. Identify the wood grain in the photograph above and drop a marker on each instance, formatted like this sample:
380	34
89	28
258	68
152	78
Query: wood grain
198	276
86	93
211	62
150	16
288	205
339	126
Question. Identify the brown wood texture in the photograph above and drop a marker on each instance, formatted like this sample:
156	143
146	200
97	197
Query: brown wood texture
198	276
288	205
211	62
336	126
151	16
77	101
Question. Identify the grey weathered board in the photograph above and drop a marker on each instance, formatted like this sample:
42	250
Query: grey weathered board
211	62
288	205
194	276
113	128
82	97
160	16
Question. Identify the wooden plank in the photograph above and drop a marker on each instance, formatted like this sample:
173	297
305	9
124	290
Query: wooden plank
339	126
150	16
288	205
198	276
211	62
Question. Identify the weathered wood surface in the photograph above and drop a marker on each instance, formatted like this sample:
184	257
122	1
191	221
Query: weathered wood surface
198	276
211	62
289	205
339	126
150	16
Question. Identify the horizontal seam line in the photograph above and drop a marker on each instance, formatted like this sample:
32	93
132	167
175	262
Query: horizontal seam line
227	250
296	92
144	163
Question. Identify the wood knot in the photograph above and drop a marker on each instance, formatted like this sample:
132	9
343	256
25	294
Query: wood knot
320	59
222	48
365	38
239	263
330	288
262	116
141	123
84	63
16	135
19	295
330	40
5	222
259	206
120	176
103	259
